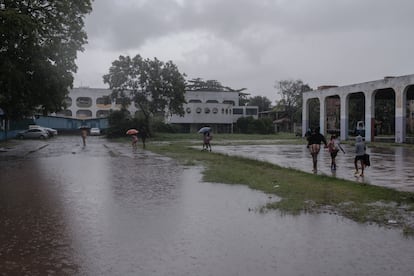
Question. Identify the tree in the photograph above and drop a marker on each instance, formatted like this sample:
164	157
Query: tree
262	102
39	41
251	125
154	86
198	84
291	98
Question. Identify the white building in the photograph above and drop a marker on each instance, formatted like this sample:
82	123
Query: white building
90	103
219	110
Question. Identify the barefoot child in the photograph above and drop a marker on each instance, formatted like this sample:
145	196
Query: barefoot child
333	147
360	155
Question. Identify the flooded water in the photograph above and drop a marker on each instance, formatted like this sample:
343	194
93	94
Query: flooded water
391	167
106	210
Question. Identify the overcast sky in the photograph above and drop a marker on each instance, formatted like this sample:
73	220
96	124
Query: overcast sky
254	43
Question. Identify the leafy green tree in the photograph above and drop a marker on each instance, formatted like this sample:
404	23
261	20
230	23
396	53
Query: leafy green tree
262	102
291	98
39	41
243	125
154	86
250	125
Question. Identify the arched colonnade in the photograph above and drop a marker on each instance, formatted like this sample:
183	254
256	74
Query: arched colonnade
396	90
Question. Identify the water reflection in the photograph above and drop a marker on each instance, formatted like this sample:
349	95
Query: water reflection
34	238
107	210
390	167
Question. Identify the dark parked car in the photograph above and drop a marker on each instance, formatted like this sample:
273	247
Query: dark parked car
33	133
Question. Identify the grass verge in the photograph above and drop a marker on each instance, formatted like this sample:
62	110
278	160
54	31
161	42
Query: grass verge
299	191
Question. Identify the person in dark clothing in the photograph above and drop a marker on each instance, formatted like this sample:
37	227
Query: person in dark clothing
143	134
314	146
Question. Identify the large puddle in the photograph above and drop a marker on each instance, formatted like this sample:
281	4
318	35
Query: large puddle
106	210
392	167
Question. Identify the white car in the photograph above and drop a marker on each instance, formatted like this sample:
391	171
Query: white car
51	131
33	133
95	131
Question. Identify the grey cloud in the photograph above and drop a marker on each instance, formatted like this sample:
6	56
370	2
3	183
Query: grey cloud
320	41
238	21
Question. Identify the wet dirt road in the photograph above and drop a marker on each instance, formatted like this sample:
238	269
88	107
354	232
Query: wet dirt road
106	210
391	167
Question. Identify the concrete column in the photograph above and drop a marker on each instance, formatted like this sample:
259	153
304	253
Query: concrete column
322	117
344	116
369	114
400	119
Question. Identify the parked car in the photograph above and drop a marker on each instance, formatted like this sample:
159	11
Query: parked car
33	133
95	131
51	131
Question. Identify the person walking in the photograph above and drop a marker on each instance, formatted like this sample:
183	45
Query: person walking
134	141
84	134
314	146
143	134
334	146
206	140
359	155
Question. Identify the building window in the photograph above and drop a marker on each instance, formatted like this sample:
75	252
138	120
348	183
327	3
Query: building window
194	101
238	111
198	110
102	113
103	102
188	110
228	102
83	102
212	101
215	110
207	110
83	113
251	111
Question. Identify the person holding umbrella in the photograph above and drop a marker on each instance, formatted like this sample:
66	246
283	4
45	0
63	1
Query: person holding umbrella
207	137
84	134
133	132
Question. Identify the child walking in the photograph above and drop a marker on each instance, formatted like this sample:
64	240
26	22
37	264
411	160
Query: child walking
334	146
359	154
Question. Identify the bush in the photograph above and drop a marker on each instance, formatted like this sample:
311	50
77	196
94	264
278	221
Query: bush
120	121
248	125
